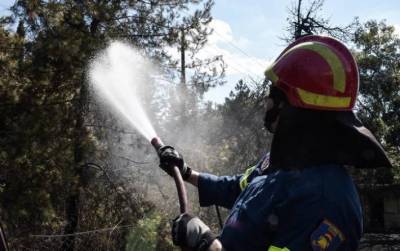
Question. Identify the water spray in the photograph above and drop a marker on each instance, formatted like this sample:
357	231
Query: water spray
116	75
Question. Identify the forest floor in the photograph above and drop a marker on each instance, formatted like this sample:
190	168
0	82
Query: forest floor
380	242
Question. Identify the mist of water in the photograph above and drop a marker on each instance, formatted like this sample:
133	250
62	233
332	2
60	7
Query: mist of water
117	73
118	77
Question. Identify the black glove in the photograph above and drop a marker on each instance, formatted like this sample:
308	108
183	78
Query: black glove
169	158
189	231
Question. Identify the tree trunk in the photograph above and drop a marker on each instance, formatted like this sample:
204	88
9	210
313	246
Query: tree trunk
72	200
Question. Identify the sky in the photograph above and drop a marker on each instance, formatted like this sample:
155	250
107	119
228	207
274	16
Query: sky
255	27
247	33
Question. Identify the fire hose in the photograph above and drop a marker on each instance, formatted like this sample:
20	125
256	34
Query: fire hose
180	186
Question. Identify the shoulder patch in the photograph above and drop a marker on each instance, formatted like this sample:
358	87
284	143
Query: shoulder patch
326	237
265	163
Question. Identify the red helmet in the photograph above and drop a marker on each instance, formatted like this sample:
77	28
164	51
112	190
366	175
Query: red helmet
316	72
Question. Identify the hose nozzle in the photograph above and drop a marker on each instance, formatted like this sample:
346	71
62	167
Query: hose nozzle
157	143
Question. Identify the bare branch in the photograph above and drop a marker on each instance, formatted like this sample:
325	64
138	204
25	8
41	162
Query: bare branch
305	20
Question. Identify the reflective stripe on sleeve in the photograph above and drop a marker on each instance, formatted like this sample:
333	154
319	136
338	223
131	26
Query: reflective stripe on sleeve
243	181
273	248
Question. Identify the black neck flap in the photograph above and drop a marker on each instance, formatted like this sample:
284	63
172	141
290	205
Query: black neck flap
306	138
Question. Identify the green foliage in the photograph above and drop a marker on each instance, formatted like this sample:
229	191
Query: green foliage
239	139
378	57
149	235
393	153
49	130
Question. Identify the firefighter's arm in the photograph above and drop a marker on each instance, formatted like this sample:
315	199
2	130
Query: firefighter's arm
213	190
216	190
194	178
223	190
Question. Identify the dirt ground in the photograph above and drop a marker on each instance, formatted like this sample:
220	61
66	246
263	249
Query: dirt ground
380	242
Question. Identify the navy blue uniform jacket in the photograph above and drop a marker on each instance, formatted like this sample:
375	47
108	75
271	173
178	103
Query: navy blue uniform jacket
317	208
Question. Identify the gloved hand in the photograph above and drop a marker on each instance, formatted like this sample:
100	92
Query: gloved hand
189	231
169	158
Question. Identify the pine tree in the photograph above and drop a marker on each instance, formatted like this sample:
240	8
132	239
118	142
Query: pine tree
47	107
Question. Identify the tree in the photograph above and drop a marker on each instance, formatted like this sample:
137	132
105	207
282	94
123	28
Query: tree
237	136
306	20
378	57
206	72
46	110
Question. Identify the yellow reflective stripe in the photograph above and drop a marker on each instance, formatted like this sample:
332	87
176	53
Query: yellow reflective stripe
273	248
322	100
339	76
243	181
270	74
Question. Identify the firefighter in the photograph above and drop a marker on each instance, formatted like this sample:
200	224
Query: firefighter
300	195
